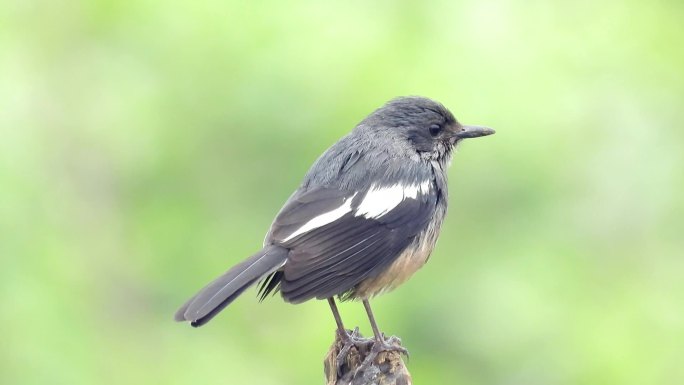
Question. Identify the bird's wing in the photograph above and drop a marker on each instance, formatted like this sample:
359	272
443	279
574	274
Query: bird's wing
337	238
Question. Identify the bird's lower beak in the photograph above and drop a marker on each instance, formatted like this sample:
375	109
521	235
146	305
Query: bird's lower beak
473	132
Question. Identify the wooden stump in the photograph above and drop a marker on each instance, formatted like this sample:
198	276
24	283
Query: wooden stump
387	368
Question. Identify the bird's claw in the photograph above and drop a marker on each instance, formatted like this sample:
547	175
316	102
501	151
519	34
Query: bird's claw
350	339
391	344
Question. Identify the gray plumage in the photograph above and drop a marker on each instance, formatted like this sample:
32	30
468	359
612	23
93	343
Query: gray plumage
224	289
366	216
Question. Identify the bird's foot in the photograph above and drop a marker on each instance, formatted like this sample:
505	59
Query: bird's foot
351	339
353	356
392	344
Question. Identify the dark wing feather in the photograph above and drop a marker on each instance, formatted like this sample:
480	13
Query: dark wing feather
332	259
303	206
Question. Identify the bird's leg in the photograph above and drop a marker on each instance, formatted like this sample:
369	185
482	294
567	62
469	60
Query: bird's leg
393	344
371	318
338	320
349	338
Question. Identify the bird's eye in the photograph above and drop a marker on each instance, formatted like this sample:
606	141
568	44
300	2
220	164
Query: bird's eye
435	129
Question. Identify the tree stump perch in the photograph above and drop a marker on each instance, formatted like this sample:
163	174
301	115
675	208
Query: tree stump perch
387	368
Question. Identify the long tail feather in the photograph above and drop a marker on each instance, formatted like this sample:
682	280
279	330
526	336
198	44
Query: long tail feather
223	290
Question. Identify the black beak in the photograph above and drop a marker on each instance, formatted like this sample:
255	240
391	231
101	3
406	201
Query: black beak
473	132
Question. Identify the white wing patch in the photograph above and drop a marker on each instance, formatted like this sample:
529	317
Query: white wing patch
379	200
323	219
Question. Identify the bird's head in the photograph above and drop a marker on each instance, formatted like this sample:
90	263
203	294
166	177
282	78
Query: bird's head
427	126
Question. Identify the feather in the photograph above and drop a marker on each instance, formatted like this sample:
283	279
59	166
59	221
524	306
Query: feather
224	289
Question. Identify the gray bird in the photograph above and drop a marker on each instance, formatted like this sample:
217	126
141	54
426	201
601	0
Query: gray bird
365	218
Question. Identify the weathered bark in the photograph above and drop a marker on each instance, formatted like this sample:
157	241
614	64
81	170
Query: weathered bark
387	368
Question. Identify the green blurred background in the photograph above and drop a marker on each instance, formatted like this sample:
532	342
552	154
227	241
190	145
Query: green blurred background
145	147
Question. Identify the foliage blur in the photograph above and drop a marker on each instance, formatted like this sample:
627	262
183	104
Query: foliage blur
145	147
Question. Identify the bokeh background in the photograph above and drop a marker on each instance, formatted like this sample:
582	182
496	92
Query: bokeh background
145	147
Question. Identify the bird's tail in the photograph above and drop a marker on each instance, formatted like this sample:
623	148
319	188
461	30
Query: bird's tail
223	290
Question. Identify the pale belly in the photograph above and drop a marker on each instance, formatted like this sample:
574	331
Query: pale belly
412	259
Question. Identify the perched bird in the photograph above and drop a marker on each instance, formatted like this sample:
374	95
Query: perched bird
365	218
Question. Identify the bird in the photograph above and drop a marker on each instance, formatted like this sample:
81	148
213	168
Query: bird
366	216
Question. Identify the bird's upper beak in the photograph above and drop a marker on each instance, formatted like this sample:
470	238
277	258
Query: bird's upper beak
473	132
